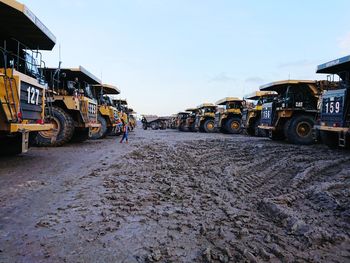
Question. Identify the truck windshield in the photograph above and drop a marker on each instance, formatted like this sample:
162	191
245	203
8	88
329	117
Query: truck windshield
88	92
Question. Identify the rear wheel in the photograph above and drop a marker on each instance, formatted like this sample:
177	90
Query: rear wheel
100	132
63	129
233	126
329	138
299	130
209	126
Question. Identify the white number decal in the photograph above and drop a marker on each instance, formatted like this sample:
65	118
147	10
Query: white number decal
33	96
332	107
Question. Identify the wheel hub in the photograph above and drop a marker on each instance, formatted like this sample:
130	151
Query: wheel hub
53	133
303	129
235	125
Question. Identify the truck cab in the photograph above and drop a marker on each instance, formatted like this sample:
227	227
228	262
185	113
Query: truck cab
228	118
334	124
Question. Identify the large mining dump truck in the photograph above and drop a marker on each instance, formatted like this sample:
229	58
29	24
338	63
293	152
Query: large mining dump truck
107	115
230	119
334	124
181	118
252	116
22	85
292	114
154	122
73	107
205	117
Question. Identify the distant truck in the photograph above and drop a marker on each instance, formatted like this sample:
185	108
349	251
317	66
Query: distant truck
252	116
205	118
292	114
334	124
154	122
230	119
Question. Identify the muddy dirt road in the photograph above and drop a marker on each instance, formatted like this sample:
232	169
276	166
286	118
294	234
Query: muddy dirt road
176	197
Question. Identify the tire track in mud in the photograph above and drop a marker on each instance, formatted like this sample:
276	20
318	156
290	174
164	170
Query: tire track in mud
220	201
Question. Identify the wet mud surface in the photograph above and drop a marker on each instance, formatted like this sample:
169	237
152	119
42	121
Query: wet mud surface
169	196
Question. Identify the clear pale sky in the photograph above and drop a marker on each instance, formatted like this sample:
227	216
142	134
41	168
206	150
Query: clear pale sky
167	55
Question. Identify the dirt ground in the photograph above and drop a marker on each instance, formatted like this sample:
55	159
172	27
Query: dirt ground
169	196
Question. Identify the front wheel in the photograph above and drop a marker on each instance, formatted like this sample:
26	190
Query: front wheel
63	129
100	132
233	125
299	130
209	126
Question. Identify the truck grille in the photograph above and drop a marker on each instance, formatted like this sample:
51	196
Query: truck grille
333	105
31	101
266	114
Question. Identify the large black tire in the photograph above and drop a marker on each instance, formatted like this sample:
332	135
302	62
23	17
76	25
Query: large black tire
233	125
11	145
64	129
99	133
80	135
209	126
331	139
144	126
299	130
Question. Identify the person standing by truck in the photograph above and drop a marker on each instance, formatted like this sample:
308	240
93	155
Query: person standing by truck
125	131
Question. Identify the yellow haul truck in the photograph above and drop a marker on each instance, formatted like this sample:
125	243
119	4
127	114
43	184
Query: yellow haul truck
334	123
252	116
230	120
22	86
292	114
73	108
108	116
205	117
